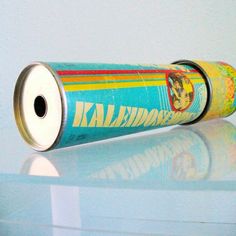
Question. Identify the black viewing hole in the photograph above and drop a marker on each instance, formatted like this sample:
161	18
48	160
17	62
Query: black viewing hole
40	106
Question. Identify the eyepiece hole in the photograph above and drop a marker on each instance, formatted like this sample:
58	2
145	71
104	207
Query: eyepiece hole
40	106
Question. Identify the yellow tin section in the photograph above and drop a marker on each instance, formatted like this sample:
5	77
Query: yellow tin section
222	78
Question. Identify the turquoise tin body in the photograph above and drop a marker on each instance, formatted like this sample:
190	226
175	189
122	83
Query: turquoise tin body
109	100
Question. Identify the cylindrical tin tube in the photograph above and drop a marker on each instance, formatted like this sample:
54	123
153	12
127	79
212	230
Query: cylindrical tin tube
201	152
63	104
221	79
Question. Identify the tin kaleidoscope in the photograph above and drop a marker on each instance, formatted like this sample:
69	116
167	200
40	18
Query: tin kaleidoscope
63	104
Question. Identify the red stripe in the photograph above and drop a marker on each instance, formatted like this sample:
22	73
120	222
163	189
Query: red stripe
97	72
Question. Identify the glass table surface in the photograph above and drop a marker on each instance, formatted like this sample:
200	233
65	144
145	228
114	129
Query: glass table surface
179	180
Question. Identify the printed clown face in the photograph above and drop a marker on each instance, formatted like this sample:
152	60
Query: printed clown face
180	91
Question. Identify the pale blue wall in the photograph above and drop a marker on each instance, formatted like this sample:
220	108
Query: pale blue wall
118	31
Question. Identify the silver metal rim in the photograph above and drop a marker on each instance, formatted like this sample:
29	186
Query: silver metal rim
18	113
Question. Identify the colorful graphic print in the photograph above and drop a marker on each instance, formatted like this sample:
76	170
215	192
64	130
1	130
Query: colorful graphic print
110	100
222	77
230	86
181	91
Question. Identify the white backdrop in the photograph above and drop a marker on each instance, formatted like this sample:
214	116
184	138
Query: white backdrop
144	31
